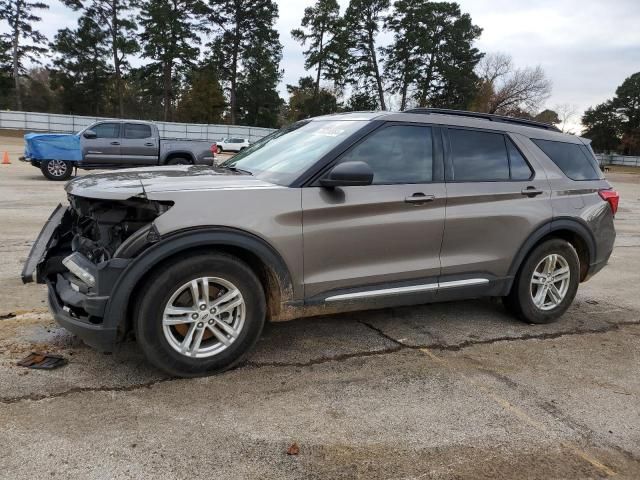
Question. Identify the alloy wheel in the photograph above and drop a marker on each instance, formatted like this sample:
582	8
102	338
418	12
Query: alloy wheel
550	282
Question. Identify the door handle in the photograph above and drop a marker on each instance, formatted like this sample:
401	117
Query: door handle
115	143
149	144
531	191
419	198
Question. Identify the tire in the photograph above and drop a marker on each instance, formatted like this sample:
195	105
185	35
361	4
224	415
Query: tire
220	149
547	306
57	170
179	161
161	343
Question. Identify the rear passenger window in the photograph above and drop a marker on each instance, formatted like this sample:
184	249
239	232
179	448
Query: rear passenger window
478	156
520	169
573	160
136	130
396	154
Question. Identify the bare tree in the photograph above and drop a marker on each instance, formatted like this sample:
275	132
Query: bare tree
507	90
566	113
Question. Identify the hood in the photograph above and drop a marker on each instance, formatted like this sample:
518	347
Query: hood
124	184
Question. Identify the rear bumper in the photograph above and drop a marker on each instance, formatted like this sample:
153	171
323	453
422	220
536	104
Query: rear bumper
96	335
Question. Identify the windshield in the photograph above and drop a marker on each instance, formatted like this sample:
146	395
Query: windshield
283	156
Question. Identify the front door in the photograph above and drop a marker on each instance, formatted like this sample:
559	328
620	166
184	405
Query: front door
139	145
383	237
105	148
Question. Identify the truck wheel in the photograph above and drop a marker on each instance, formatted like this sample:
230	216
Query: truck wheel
179	161
56	169
200	315
546	283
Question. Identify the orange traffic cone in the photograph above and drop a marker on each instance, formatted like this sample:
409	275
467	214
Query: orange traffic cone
5	159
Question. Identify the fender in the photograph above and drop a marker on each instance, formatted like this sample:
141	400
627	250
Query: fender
117	307
562	223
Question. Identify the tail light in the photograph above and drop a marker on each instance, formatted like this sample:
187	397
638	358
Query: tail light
612	197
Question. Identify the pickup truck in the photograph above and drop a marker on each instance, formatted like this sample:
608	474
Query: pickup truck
109	144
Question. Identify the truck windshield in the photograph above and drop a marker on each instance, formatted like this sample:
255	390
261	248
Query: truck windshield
283	156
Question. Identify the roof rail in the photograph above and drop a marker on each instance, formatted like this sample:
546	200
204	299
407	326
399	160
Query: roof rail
485	116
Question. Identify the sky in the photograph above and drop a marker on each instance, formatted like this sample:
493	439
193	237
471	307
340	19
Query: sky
586	47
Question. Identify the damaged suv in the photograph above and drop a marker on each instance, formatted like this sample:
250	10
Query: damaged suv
336	213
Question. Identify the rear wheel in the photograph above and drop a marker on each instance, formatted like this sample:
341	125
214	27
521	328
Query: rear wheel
56	169
200	315
179	161
220	149
546	284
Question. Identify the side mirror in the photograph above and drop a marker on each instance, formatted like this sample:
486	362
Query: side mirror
348	174
89	134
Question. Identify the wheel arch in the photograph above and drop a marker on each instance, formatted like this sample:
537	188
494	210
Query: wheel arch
572	230
261	257
179	154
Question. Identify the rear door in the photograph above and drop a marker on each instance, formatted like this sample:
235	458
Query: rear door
139	145
365	240
105	148
496	198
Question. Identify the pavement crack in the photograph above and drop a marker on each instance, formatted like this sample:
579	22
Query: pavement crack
65	393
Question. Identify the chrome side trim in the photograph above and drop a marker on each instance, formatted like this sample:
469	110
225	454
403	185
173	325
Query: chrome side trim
410	289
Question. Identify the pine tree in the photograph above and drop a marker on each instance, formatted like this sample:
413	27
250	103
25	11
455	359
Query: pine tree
321	28
25	40
244	28
81	71
432	54
203	100
305	103
362	25
117	20
170	38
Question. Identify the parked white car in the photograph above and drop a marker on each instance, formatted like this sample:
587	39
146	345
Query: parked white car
234	144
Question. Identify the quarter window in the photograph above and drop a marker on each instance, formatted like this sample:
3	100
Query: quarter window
478	156
574	160
107	130
520	169
396	154
137	130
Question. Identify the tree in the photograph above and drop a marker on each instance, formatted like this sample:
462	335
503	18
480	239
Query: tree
505	89
26	41
304	102
203	100
432	54
81	72
5	73
603	126
116	18
244	27
362	24
548	116
566	113
321	29
361	101
170	38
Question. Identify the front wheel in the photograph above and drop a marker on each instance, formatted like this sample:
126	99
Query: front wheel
56	169
200	315
546	284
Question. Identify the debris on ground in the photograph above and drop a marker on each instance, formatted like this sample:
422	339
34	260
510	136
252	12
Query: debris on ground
293	449
42	361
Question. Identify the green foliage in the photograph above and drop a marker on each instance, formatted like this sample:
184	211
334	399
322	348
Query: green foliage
247	53
321	33
304	102
81	71
615	124
170	39
203	100
22	38
548	116
432	56
361	101
362	21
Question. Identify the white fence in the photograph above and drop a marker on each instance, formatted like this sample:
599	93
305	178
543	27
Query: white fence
628	161
55	123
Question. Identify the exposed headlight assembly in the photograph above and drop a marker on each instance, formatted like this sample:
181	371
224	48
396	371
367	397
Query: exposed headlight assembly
81	267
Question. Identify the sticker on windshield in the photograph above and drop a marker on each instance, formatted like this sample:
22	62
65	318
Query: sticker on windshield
329	131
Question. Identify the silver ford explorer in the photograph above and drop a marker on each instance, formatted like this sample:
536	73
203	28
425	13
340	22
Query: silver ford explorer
336	213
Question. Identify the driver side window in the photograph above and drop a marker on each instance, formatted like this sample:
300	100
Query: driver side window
107	130
398	154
